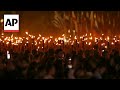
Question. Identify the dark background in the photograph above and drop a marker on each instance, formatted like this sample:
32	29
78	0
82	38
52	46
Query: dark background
36	22
41	21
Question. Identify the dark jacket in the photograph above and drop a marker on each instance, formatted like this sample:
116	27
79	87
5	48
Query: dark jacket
59	69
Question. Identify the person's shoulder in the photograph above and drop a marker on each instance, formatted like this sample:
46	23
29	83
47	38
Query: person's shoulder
48	77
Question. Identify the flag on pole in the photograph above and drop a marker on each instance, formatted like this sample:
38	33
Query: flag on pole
96	23
109	22
118	13
73	15
86	27
91	19
67	23
75	21
57	21
102	20
113	23
81	21
78	15
82	13
94	15
99	19
56	24
66	17
87	14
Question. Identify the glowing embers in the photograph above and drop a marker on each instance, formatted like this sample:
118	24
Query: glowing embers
112	43
90	38
108	38
26	33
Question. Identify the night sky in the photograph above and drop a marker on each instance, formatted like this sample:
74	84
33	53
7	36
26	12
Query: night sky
36	22
41	21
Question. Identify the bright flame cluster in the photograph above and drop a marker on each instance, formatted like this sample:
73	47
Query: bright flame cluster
88	39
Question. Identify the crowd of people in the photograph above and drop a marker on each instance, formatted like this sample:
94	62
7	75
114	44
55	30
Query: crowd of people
33	57
59	64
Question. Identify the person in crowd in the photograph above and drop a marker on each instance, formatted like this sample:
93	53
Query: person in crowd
59	64
80	74
50	69
2	71
32	70
74	65
96	74
11	70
